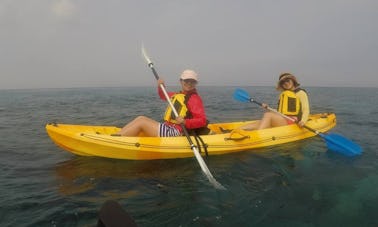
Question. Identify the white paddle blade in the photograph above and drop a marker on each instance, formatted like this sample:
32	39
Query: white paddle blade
145	55
206	170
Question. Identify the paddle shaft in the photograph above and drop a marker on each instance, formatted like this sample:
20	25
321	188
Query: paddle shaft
283	115
198	156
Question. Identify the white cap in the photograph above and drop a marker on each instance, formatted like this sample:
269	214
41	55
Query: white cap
189	74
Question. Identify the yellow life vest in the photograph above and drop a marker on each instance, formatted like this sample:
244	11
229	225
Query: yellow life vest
289	104
179	102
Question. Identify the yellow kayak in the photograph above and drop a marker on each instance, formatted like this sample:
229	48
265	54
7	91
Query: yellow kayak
224	138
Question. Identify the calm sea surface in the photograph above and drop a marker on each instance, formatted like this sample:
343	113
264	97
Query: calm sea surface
296	184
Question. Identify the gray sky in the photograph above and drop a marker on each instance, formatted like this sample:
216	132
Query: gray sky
96	43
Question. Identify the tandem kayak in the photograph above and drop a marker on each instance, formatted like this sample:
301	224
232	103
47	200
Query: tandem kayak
87	140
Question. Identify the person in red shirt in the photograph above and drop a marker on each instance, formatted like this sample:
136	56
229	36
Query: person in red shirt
188	105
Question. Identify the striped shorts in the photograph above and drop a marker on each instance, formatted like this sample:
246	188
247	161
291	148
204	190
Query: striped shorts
166	130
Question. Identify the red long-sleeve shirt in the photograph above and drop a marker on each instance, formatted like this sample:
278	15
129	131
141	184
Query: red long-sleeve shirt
195	107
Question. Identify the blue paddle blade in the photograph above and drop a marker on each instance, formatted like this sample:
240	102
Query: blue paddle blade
341	145
241	95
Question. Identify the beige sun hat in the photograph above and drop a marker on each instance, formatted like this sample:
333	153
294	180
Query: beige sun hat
285	76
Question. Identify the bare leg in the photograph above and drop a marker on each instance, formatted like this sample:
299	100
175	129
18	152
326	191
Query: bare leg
270	120
252	126
148	126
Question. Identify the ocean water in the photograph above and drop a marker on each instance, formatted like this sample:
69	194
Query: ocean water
296	184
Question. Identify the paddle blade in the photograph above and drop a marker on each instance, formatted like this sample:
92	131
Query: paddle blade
145	56
241	95
342	145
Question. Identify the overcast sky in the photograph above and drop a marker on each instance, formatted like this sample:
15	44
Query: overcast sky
97	43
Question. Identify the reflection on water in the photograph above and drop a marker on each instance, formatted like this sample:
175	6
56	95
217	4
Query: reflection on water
82	174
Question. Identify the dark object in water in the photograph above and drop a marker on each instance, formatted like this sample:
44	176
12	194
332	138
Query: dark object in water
113	215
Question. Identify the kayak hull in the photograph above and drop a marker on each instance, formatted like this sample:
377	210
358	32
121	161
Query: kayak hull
85	140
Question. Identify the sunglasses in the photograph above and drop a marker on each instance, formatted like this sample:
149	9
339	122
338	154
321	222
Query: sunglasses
190	81
285	81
